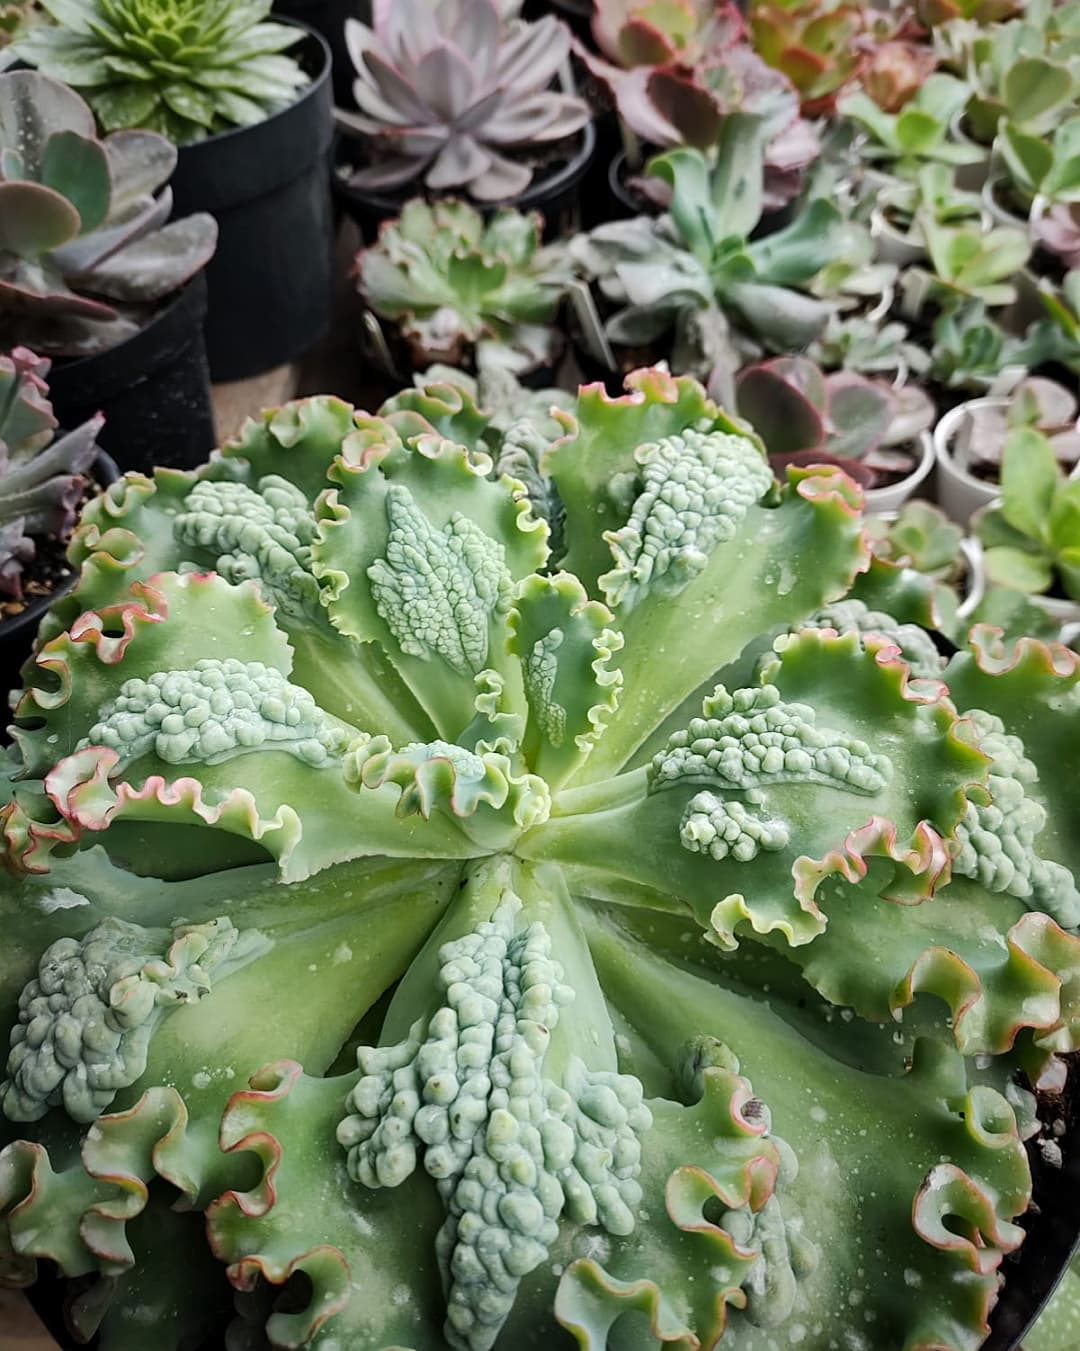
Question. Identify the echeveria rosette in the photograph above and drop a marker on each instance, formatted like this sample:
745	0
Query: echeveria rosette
639	826
186	68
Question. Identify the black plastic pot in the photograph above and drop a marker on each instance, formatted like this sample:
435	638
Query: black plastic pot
327	17
271	280
154	389
1053	1231
17	633
555	195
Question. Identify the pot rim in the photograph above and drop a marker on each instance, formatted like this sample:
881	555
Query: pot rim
533	198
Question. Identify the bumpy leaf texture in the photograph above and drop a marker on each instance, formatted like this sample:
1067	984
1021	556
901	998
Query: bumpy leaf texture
420	934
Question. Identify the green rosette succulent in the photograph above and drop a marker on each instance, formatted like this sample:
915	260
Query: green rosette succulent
426	930
458	289
185	68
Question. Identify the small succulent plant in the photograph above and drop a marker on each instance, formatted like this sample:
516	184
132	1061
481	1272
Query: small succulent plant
1037	403
1042	164
453	99
806	417
933	193
815	43
917	134
869	346
1031	542
1019	74
185	68
971	351
14	18
895	71
41	476
920	536
85	251
696	273
674	84
463	291
1056	228
966	263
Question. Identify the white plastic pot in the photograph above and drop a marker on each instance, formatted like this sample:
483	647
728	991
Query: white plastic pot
969	177
998	214
893	497
893	245
959	493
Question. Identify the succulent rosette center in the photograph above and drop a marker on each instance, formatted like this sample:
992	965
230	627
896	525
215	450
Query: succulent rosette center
489	871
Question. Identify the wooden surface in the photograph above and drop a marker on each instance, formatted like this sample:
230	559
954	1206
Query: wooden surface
20	1329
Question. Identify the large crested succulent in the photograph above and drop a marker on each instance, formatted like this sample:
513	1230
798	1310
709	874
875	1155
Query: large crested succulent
463	291
677	70
697	274
185	68
85	250
402	910
41	477
452	98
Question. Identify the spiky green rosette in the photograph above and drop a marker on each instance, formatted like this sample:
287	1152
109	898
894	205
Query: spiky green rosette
186	68
424	934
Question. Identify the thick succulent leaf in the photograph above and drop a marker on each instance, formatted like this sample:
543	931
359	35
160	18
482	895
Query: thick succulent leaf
32	110
767	801
157	264
867	1145
120	750
612	471
249	515
1023	684
420	552
34	219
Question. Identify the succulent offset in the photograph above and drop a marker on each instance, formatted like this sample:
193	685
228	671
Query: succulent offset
454	933
86	253
41	475
185	68
466	292
453	98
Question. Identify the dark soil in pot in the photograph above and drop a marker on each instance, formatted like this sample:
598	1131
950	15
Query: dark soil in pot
45	577
556	190
327	17
154	389
271	280
576	14
1052	1224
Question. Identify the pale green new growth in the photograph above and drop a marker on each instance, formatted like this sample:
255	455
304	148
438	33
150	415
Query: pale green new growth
915	644
997	840
509	1150
436	590
86	1019
751	738
696	489
215	711
262	535
539	669
443	774
712	826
